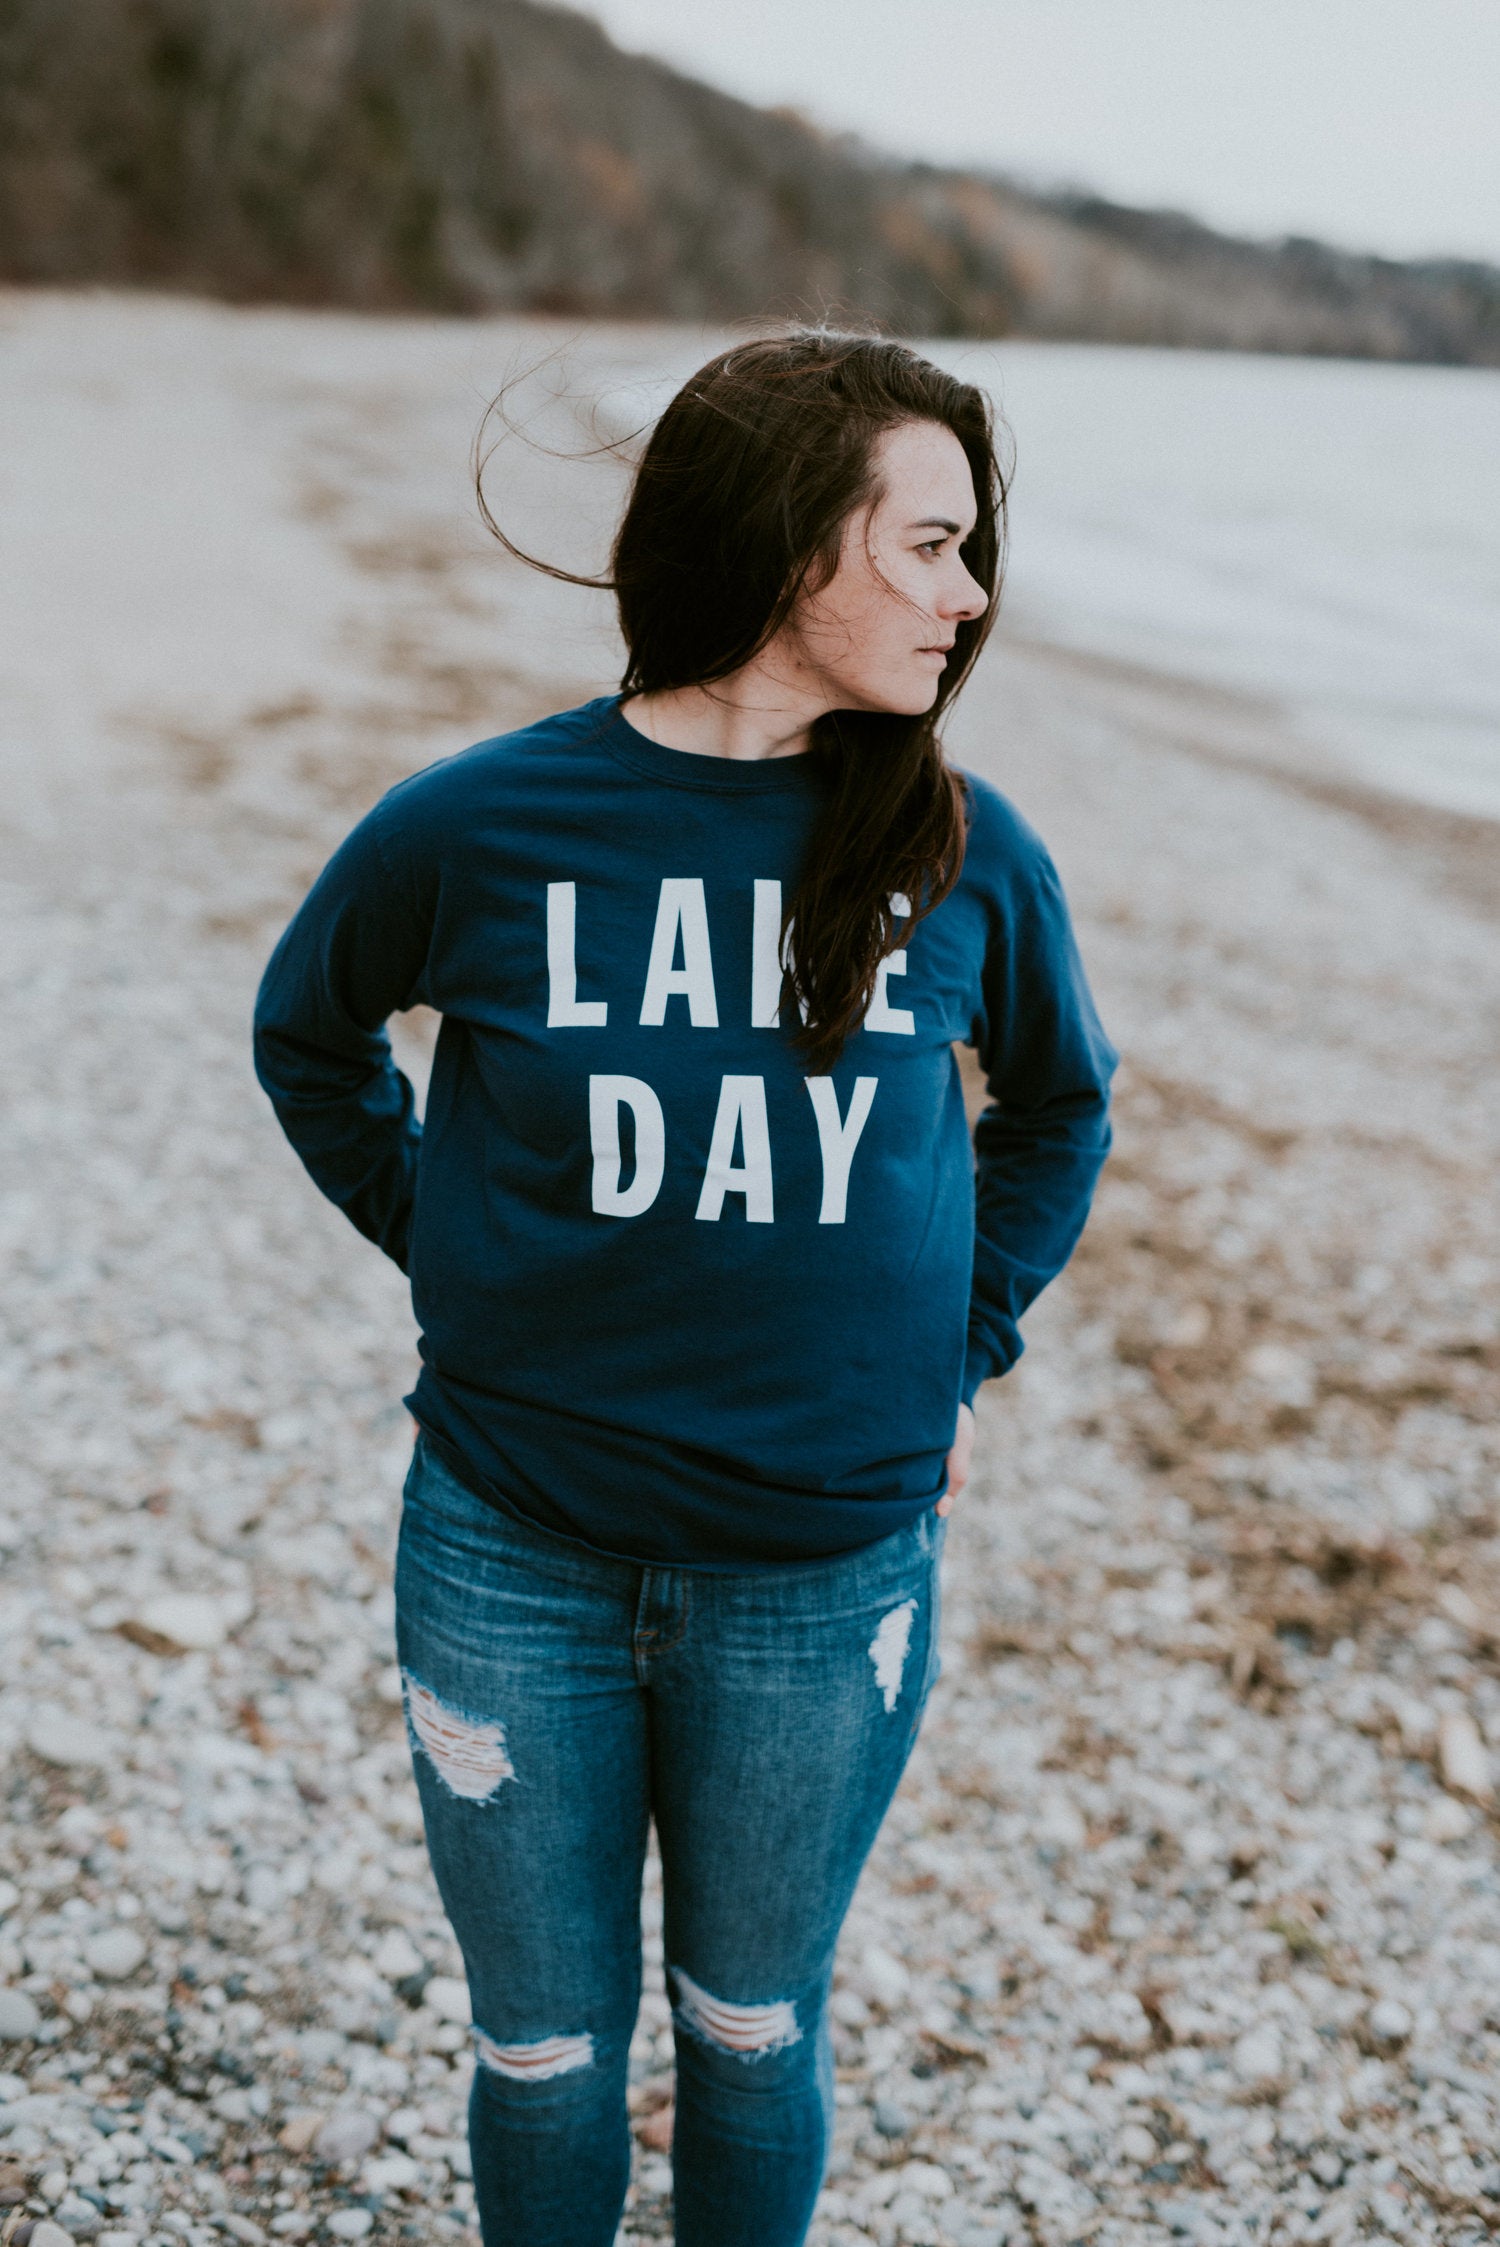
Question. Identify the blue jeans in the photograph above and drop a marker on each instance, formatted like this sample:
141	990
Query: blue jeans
558	1701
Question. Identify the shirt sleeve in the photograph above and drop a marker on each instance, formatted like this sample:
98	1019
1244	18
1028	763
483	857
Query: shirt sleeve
354	955
1041	1142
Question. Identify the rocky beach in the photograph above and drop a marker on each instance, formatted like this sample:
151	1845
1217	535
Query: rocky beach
1186	1923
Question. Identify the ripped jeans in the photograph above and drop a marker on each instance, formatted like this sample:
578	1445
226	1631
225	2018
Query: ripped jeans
557	1702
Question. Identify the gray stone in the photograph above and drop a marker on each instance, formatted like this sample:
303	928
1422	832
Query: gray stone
320	2048
891	2118
183	1622
882	1980
346	2136
448	1996
19	2015
116	1952
77	2216
1463	1759
390	2172
71	1742
1257	2054
397	1956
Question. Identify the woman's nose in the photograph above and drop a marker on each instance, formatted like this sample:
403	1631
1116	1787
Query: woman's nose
967	598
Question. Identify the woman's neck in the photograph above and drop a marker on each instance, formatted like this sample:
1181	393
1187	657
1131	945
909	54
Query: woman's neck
752	714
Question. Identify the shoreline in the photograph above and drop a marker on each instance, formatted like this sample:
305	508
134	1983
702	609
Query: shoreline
1243	732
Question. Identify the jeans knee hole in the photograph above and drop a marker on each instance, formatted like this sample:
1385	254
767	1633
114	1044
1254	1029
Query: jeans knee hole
534	2063
468	1754
748	2031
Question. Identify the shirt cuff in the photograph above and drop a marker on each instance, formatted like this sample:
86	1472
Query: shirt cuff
986	1360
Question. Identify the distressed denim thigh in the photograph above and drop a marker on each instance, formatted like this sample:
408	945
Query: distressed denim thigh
780	1726
528	1735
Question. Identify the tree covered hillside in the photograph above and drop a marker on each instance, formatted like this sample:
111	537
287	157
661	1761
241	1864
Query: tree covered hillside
474	155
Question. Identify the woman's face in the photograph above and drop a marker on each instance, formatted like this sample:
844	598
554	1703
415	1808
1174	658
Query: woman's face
878	634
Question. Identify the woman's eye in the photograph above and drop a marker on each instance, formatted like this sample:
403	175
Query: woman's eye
932	546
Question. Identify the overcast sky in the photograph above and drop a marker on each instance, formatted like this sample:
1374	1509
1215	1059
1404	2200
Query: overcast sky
1373	123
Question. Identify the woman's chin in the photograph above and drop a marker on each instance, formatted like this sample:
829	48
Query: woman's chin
908	699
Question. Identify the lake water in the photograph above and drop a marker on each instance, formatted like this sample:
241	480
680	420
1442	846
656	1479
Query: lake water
1319	532
1323	534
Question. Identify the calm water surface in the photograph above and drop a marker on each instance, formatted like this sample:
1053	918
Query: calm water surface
1322	532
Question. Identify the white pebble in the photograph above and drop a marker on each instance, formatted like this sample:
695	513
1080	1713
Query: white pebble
1123	2020
390	2172
397	1956
881	1979
190	1622
1287	1374
448	1997
265	1888
1203	1846
926	2179
73	1742
1390	2022
18	2015
1447	1820
336	1872
1060	1824
346	2136
350	2223
1463	1758
115	1953
1135	2143
1257	2054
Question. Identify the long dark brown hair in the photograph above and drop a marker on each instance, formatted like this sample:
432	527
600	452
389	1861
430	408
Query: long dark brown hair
737	509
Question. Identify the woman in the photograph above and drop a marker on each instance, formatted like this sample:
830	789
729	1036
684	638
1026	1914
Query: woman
691	1228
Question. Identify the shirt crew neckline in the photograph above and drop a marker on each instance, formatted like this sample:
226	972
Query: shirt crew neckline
685	768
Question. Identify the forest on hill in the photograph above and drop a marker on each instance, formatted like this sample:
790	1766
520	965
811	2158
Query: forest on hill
502	155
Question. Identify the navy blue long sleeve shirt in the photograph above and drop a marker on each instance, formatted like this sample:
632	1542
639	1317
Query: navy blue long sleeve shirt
680	1299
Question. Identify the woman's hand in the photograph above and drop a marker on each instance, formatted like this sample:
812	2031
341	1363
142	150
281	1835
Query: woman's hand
958	1459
